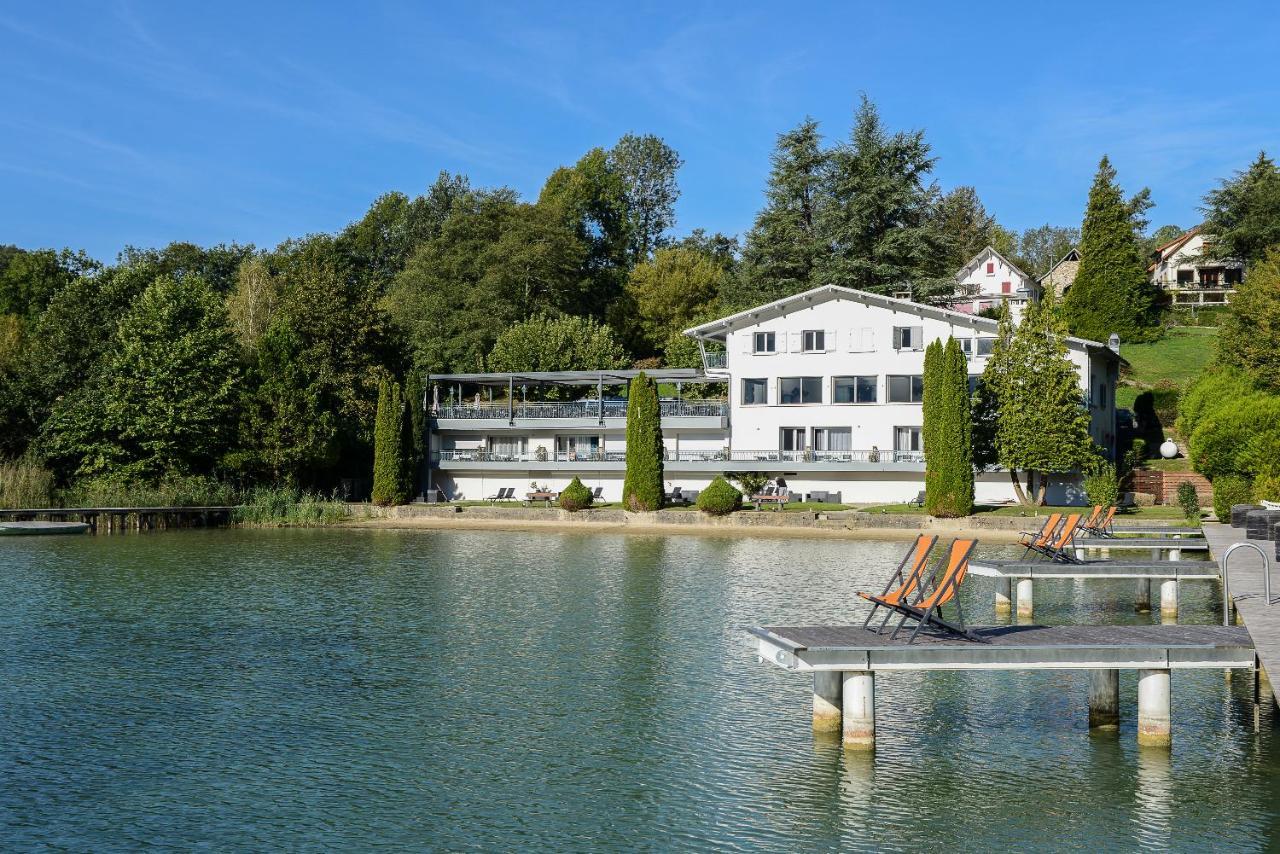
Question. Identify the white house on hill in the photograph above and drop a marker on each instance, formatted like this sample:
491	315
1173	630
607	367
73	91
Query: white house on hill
1191	275
989	279
824	389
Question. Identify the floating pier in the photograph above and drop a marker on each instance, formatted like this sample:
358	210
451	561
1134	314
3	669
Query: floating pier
843	661
113	520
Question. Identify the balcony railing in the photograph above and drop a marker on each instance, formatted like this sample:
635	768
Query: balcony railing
715	361
764	457
580	409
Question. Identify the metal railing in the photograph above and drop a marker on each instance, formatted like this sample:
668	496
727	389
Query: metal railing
579	409
764	457
713	361
1226	585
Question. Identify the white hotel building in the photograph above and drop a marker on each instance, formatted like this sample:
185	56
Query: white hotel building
824	388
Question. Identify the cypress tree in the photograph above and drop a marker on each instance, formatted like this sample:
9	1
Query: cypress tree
642	486
1111	291
947	431
416	447
390	484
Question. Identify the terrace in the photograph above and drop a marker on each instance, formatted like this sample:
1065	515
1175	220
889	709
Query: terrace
722	459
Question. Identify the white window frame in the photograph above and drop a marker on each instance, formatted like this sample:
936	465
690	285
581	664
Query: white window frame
768	337
818	337
763	381
875	389
802	401
888	388
912	332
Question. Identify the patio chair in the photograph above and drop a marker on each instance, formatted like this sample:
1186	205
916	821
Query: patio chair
597	493
1102	527
918	501
939	590
1091	521
505	493
905	580
1062	548
1037	541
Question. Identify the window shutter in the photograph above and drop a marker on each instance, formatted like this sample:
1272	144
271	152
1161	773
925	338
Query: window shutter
830	336
748	342
796	344
853	341
771	395
868	339
917	337
897	337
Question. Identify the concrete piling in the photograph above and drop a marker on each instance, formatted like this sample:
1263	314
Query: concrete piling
1176	554
1169	598
1104	699
827	689
1142	596
1153	708
1026	602
1004	603
858	729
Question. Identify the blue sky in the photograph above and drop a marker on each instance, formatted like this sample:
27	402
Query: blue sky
141	123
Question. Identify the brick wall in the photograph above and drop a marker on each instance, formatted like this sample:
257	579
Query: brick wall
1164	485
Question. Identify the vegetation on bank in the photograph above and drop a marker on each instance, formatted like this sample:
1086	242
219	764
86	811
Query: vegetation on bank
281	507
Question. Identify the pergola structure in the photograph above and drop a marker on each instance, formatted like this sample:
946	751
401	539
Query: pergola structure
599	379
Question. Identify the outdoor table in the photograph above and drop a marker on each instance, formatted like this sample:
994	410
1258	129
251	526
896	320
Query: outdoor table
548	497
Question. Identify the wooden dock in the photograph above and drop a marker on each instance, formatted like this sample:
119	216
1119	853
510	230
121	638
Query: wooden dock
843	661
1154	531
113	520
1140	543
1184	570
1246	591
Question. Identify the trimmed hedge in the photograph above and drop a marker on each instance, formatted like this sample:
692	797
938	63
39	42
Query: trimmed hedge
1228	490
642	486
575	496
1189	501
720	498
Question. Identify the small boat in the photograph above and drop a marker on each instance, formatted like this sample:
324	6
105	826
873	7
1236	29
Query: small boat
41	529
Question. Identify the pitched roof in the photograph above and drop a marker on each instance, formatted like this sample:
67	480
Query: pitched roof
989	251
1177	242
1073	255
717	329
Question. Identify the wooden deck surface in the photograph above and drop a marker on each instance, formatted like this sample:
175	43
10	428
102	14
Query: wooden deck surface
1245	584
1021	637
1177	569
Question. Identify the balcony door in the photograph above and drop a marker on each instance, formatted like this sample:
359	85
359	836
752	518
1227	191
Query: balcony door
579	447
508	447
907	443
792	439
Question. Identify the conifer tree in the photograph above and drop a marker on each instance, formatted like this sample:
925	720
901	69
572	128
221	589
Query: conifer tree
947	431
642	485
783	247
1043	425
1111	291
1243	214
416	414
390	484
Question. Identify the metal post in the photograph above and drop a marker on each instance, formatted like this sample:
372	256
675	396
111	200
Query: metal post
600	399
827	689
1104	699
511	400
1153	708
1226	592
858	702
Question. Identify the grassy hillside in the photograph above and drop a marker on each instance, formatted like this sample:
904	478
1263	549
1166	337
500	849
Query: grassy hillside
1171	361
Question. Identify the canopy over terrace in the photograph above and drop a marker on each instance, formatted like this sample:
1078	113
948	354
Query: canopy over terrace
599	379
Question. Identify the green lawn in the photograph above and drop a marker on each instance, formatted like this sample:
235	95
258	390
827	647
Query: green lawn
1173	360
1163	512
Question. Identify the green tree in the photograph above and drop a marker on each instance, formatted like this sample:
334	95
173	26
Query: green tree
783	248
877	220
670	292
391	479
947	431
1041	247
1111	292
29	279
557	343
963	220
1243	213
1249	337
1042	425
646	167
163	401
1160	237
642	486
253	301
415	403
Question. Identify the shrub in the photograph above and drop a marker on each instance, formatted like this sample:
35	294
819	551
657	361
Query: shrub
719	498
1228	490
169	491
1102	486
1207	393
282	507
1239	436
752	482
575	496
23	483
642	486
1267	486
1189	501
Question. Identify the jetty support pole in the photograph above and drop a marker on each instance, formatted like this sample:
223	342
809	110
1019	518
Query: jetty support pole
1004	598
1153	708
1026	603
1142	596
827	688
1104	699
1176	554
1169	598
858	730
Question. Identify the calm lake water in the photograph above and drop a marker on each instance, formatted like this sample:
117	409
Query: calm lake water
483	690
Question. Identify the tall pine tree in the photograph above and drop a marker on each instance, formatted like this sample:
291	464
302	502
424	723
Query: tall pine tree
1111	291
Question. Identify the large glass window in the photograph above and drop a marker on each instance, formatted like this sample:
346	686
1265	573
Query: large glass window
764	342
815	341
985	346
907	439
854	389
507	447
755	392
906	389
832	439
800	390
579	447
792	438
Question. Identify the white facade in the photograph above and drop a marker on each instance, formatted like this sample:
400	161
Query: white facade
824	390
989	279
1182	268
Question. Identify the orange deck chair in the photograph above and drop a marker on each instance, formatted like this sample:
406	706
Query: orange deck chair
1039	540
927	610
1102	527
1091	524
1062	548
906	577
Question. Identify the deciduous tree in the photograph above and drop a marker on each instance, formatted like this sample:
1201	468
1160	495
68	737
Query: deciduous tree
1243	213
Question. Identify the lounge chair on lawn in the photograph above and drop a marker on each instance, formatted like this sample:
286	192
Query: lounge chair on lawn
941	589
506	493
918	501
1102	527
1038	541
1061	549
597	494
905	582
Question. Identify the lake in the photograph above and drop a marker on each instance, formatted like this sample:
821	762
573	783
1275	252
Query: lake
488	690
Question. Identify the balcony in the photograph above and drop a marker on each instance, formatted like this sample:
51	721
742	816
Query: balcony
719	460
715	361
686	414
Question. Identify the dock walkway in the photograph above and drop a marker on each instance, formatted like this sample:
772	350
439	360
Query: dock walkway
1245	588
1184	570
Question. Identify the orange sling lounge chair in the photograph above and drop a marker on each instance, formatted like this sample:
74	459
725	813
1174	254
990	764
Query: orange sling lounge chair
1091	524
1102	527
1062	549
906	577
953	566
1038	541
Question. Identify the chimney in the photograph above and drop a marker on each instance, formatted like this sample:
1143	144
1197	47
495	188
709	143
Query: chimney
1114	343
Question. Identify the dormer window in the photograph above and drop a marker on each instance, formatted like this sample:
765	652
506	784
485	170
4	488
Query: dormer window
764	342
